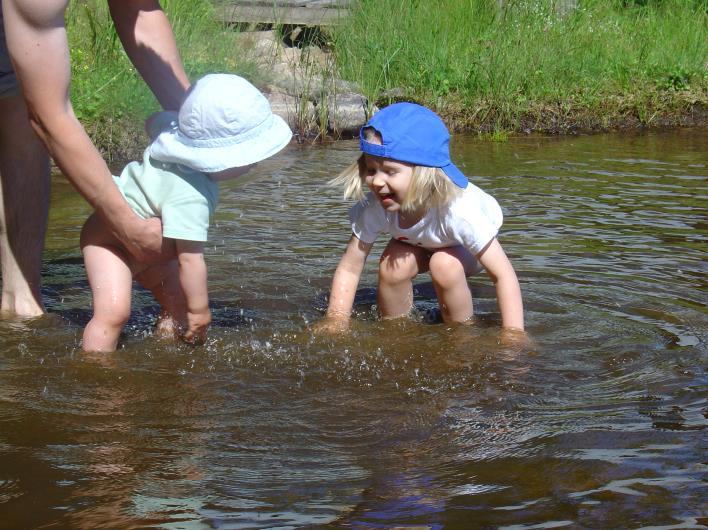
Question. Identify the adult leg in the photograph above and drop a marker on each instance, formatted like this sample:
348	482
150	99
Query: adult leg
449	268
24	204
399	264
111	282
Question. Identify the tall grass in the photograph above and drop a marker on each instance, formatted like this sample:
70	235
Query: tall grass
497	69
107	93
500	64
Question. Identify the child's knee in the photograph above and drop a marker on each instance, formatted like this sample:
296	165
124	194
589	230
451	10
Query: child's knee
115	316
395	270
446	270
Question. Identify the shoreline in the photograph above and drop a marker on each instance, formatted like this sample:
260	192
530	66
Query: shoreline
124	139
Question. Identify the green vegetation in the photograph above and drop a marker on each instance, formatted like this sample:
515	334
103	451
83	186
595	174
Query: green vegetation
108	95
529	63
525	66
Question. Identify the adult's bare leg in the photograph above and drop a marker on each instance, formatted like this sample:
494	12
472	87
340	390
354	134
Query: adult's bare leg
24	205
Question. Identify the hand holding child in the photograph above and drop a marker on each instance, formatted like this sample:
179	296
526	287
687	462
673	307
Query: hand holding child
223	128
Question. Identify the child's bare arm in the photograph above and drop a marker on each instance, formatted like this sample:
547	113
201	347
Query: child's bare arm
193	279
494	260
346	280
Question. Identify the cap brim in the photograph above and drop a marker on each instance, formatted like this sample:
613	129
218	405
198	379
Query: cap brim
169	146
455	175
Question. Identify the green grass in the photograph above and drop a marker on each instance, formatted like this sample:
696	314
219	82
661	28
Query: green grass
501	66
523	67
108	95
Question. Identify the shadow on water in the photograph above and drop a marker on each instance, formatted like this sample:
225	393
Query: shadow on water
406	424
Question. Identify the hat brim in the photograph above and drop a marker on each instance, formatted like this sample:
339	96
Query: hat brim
172	146
455	175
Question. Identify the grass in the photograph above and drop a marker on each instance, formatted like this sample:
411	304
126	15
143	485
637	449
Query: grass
494	70
503	68
108	95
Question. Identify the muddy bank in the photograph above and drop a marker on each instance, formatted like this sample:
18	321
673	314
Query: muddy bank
124	139
624	113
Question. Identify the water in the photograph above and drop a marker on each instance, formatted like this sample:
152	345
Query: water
406	424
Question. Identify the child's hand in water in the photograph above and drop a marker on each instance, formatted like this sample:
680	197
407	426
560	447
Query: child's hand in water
330	326
197	325
516	338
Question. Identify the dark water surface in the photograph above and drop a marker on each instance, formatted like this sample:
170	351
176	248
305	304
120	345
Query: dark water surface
405	424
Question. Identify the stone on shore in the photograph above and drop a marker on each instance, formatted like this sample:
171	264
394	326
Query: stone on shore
304	89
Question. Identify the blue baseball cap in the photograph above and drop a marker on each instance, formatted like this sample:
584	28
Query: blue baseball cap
414	134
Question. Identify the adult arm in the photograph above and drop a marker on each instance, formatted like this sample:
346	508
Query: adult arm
37	42
193	279
148	40
344	284
499	268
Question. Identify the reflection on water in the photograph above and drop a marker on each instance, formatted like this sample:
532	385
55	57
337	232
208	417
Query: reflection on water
399	424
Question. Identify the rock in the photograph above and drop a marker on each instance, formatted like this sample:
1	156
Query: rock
304	88
395	93
294	81
263	47
347	112
299	113
318	59
291	57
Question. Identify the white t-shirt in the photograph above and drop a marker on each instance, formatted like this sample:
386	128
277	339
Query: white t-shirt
471	220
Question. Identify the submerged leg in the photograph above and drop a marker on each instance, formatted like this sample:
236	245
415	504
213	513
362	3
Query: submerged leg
24	203
449	268
163	281
399	264
111	282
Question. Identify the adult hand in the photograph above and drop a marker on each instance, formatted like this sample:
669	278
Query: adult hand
143	239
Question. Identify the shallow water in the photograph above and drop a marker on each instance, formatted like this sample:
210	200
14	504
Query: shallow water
405	424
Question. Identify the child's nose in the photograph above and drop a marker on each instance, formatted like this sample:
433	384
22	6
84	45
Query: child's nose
378	180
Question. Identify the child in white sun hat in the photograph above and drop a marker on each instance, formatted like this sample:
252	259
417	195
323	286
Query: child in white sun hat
224	126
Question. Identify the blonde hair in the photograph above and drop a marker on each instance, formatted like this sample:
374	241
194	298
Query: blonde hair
429	186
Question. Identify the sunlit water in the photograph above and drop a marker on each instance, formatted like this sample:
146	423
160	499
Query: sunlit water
407	424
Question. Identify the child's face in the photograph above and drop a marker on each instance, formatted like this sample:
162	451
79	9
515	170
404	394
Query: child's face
231	173
388	179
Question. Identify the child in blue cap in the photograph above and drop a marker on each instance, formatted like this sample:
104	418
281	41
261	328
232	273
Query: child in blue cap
223	128
437	220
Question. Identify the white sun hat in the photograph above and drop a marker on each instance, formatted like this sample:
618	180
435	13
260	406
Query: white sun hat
224	122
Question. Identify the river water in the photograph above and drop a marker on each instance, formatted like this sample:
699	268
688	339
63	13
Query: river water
409	424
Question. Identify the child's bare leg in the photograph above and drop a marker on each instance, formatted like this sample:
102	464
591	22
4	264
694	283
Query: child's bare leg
399	264
163	281
449	268
111	282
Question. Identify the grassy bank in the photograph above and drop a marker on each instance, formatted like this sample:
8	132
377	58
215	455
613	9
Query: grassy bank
530	66
524	67
108	95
